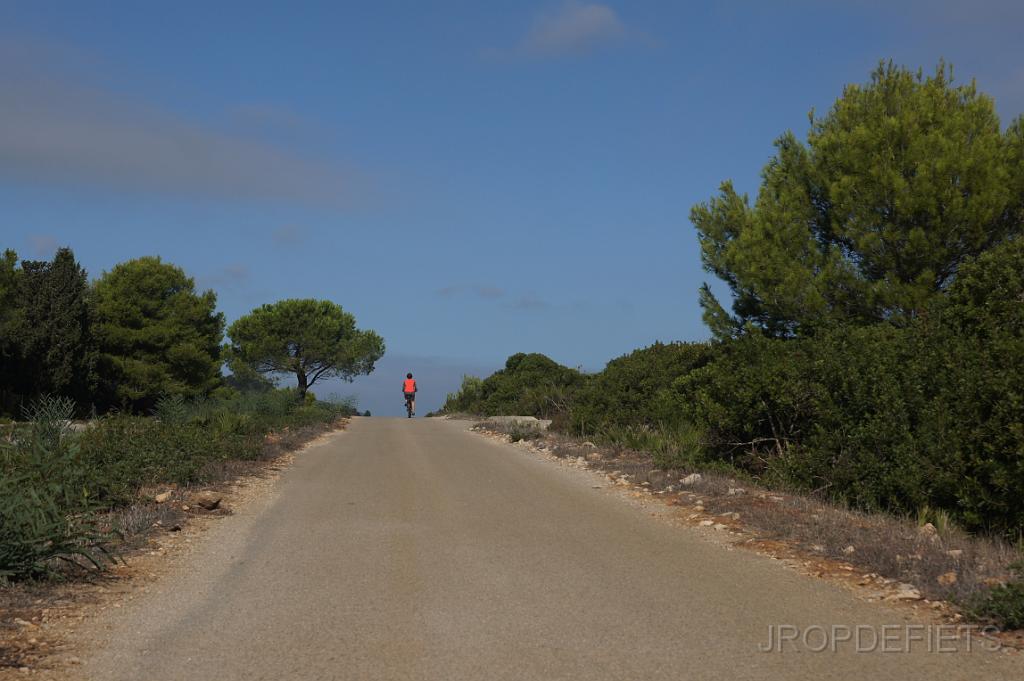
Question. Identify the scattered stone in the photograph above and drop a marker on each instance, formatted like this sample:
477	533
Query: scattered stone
905	592
581	461
947	579
736	491
699	508
691	479
707	523
817	548
776	499
928	531
955	553
185	507
622	481
163	497
594	456
849	550
589	444
208	500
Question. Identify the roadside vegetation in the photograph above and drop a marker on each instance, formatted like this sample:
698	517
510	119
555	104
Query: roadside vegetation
136	356
64	494
873	356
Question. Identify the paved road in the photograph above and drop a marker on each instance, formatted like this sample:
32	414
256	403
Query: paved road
412	549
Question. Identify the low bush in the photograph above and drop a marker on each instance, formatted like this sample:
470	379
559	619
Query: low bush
529	385
1002	605
46	504
54	482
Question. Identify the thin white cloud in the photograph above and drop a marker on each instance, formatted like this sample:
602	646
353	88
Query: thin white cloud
573	27
55	128
485	291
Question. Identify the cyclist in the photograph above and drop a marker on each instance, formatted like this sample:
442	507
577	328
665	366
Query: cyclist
409	389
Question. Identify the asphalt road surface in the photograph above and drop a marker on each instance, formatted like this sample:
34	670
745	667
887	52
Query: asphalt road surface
412	549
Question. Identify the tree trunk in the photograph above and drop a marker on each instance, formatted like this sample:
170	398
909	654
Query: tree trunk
302	385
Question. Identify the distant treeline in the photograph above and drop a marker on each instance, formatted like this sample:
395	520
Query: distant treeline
142	332
874	352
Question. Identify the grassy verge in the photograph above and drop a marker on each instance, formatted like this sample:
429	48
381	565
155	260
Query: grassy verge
67	499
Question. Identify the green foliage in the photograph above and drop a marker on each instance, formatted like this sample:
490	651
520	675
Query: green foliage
53	483
311	339
899	184
156	335
10	316
468	396
529	385
676	446
46	503
636	389
46	347
1002	605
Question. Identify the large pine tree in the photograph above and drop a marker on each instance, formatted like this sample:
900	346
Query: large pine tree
899	183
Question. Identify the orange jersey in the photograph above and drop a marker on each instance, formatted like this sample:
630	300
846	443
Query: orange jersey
409	385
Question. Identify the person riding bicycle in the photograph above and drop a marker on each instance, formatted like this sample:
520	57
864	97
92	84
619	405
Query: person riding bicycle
409	389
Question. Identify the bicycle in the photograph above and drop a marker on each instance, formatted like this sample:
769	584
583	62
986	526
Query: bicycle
408	407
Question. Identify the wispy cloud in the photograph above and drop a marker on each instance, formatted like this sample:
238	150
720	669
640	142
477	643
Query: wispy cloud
42	245
530	301
485	291
229	276
572	27
526	302
55	127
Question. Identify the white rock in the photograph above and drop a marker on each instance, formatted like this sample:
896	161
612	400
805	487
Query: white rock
707	523
736	491
691	479
905	592
163	497
849	549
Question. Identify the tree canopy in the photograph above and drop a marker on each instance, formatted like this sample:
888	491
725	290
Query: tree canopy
902	181
310	339
44	324
156	335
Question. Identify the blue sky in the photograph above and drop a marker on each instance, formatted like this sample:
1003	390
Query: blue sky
470	179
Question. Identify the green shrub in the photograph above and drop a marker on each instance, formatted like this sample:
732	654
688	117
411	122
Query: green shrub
1002	605
636	389
529	385
46	504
